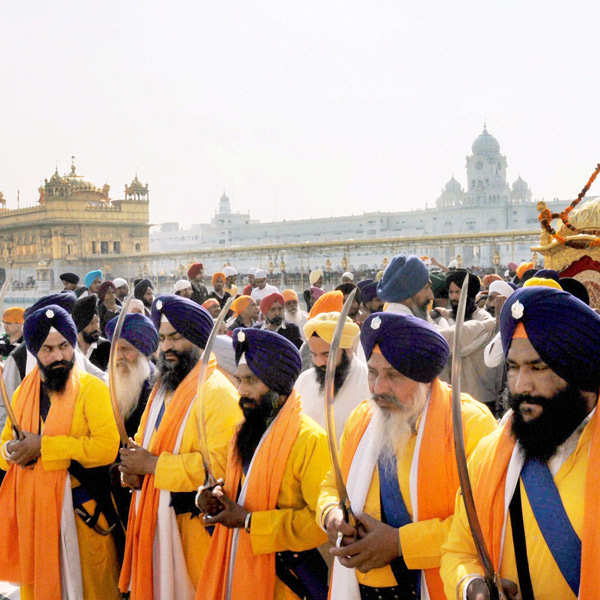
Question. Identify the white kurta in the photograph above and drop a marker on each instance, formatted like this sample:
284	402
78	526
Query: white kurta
354	390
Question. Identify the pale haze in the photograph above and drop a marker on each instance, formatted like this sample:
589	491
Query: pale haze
296	110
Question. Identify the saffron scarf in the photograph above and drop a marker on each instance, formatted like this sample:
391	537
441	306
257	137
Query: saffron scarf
137	572
489	482
437	479
32	498
251	572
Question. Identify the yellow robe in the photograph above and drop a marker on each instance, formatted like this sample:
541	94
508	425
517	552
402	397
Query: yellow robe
93	442
459	554
421	542
184	472
292	525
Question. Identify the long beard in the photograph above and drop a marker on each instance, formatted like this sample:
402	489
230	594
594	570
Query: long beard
341	373
541	437
392	428
470	308
129	380
257	418
55	377
171	375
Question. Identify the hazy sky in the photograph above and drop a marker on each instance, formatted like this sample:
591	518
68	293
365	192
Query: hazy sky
299	109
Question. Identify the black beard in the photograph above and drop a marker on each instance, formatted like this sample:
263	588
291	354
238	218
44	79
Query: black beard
147	304
256	420
55	379
171	375
341	373
275	321
90	338
541	437
491	310
470	308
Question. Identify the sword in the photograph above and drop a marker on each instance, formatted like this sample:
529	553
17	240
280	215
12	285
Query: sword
330	417
4	289
491	577
7	405
210	478
112	368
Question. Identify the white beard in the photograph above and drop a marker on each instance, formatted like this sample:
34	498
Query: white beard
129	385
295	318
393	428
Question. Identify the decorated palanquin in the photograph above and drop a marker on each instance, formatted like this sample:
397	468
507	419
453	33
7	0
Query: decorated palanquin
574	248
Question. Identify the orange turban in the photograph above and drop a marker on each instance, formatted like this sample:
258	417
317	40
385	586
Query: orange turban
218	275
289	295
240	304
523	268
210	303
13	315
328	302
487	279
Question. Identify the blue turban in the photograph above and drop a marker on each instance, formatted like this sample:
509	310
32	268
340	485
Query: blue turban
91	277
368	289
411	345
38	324
270	356
138	330
403	278
564	331
65	300
548	274
191	320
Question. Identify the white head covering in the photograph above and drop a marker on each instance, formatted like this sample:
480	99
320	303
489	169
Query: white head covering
315	276
229	271
348	275
181	284
501	288
260	274
493	354
119	281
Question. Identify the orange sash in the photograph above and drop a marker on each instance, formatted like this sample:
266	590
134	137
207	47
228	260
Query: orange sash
141	525
31	498
438	478
489	482
251	572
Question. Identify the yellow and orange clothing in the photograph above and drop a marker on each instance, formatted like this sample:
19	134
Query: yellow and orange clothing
88	434
300	456
183	471
437	481
488	467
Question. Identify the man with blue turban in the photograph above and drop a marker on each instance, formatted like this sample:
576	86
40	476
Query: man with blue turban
265	511
536	479
166	543
370	300
397	457
92	281
55	496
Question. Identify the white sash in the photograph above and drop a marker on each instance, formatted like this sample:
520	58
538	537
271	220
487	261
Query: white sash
344	585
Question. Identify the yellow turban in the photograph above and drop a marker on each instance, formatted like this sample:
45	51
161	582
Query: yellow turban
289	295
240	304
543	281
324	326
14	314
328	302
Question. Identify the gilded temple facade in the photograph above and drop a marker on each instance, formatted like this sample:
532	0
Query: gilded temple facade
73	224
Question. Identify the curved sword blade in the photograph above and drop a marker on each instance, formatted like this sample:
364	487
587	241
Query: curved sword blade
112	367
8	407
492	578
201	421
329	410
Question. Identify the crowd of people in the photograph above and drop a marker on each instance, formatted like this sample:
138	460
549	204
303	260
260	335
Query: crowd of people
226	489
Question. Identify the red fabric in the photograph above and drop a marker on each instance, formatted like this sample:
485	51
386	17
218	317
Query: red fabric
194	270
268	301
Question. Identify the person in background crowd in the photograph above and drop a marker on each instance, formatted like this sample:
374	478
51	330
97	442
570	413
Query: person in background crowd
95	348
107	307
166	541
195	275
144	291
271	308
351	385
212	306
92	281
265	540
315	278
245	312
535	480
292	312
183	288
346	289
55	544
347	277
219	293
12	320
262	288
137	306
370	300
122	288
69	281
251	283
230	279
